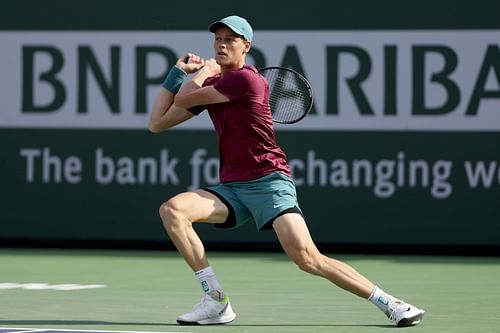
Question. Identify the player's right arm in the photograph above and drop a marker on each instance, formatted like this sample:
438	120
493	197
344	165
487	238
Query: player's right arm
165	114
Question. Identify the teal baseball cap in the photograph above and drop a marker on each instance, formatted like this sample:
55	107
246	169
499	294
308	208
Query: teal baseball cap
236	23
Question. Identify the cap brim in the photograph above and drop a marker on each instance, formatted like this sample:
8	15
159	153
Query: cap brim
216	25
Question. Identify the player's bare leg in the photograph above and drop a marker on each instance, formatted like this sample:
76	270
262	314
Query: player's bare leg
178	215
297	243
296	240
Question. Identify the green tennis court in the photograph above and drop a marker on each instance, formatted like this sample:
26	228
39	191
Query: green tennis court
122	290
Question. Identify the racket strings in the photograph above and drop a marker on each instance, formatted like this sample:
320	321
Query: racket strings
289	96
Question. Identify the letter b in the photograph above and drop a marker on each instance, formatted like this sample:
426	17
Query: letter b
49	77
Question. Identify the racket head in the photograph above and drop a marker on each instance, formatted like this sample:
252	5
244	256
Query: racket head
290	94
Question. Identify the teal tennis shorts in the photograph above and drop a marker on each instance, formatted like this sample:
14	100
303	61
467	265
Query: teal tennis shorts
261	200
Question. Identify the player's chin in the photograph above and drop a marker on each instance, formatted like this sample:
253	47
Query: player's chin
222	59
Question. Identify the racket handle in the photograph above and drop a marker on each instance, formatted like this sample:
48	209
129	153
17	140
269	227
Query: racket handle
186	59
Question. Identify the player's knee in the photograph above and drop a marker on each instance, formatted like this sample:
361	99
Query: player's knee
305	261
171	213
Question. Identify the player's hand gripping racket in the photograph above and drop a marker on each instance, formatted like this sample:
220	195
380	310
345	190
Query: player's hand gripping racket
290	94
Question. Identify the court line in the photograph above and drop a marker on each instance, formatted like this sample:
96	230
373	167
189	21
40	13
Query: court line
23	330
31	330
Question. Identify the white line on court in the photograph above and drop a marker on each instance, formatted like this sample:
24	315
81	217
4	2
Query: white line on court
24	330
32	330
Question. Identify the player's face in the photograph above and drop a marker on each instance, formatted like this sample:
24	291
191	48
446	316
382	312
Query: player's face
230	48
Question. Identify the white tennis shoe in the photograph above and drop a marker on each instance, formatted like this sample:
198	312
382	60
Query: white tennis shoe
209	312
403	314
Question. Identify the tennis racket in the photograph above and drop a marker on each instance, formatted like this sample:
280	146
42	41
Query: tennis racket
290	94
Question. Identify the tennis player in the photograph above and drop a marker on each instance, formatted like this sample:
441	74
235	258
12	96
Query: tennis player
255	178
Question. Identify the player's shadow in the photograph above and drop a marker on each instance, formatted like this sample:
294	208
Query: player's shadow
310	325
49	322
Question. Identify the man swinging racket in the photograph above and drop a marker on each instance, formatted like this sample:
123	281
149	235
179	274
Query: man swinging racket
255	180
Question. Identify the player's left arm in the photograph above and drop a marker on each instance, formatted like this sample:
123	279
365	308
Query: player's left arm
194	94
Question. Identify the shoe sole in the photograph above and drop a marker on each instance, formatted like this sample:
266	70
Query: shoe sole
411	321
214	321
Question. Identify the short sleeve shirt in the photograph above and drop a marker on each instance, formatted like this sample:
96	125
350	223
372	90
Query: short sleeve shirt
244	127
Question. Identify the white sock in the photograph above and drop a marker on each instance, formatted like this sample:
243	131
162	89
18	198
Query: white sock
382	299
209	283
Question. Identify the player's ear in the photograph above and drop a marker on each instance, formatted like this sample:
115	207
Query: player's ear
248	44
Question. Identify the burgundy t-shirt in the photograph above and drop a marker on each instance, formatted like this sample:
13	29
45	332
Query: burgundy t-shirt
244	127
